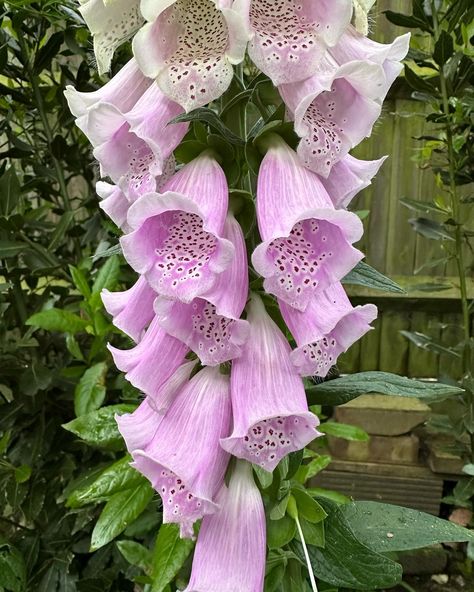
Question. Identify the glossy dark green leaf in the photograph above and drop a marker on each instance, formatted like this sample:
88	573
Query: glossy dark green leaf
343	390
55	319
115	478
9	193
12	568
368	277
136	554
211	118
280	532
444	48
119	512
169	555
107	276
386	528
99	427
90	390
346	562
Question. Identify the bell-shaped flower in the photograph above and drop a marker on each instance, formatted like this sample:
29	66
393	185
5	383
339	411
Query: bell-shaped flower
326	329
190	48
353	46
111	24
334	110
289	37
211	325
348	177
184	461
230	550
307	244
139	428
149	364
122	91
271	416
132	310
133	148
177	242
114	203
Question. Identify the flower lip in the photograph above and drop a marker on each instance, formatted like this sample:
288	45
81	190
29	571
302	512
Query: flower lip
270	439
175	245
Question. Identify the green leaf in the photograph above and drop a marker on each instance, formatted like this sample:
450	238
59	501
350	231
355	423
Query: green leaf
98	427
212	119
136	554
264	477
115	478
308	508
386	528
169	555
279	510
444	49
55	319
328	494
120	511
9	194
368	277
468	469
11	248
314	534
314	467
108	275
405	20
344	431
430	229
418	83
12	569
424	342
421	206
345	562
280	532
90	390
22	473
342	390
80	281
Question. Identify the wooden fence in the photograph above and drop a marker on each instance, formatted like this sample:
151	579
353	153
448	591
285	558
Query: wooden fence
392	246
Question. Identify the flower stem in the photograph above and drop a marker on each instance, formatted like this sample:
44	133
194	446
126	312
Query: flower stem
458	234
306	555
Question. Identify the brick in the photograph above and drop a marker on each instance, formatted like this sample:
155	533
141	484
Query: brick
388	449
382	415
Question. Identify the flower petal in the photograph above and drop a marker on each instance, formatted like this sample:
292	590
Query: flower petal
184	461
186	49
230	551
132	310
271	416
150	364
111	25
306	242
291	36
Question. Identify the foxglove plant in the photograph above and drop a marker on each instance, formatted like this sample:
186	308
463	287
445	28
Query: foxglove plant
217	385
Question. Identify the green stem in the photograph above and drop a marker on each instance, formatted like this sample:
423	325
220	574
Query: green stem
455	203
455	207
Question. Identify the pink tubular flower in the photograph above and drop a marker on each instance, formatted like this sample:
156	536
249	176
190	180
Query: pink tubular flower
271	416
150	363
122	91
114	203
177	242
353	46
307	244
133	148
131	310
327	328
211	325
348	177
334	110
111	24
230	551
139	428
184	461
289	37
190	48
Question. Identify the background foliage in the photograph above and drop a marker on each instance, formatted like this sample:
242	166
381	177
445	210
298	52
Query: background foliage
74	515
